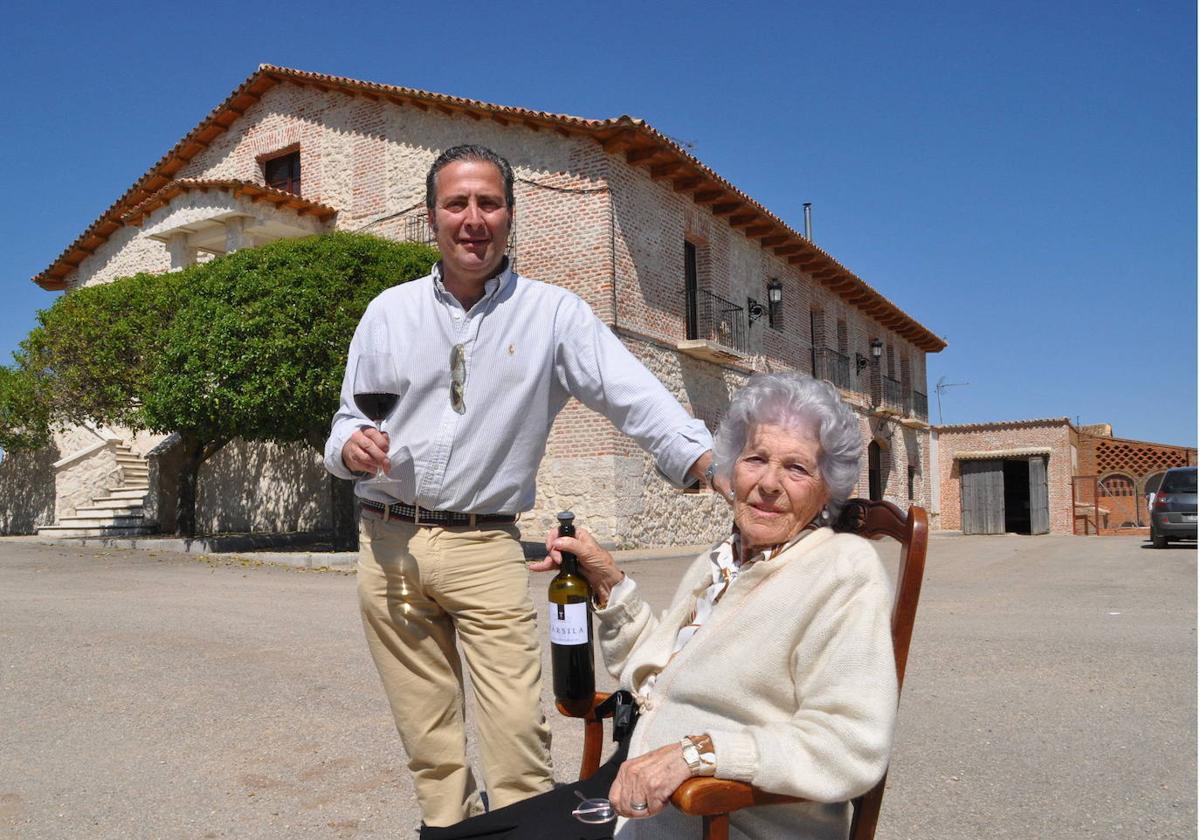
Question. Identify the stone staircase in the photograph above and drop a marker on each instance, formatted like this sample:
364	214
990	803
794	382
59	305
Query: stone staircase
118	513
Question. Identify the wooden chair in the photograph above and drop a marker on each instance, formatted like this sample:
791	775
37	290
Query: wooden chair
714	799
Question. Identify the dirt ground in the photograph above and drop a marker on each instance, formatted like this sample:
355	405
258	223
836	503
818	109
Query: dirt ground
1051	692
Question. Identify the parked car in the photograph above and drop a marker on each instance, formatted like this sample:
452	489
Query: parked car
1173	515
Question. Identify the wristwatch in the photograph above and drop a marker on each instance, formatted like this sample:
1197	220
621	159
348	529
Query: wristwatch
710	473
699	755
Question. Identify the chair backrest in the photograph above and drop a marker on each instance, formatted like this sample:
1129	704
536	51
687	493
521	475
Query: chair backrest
873	520
713	799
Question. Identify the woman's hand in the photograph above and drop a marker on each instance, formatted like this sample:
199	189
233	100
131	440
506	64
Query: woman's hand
648	780
596	564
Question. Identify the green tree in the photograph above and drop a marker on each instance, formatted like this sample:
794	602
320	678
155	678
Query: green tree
92	354
24	415
258	347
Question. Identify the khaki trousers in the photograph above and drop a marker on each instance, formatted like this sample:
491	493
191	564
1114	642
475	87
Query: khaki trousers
419	589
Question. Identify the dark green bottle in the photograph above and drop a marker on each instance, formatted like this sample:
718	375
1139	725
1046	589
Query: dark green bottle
571	630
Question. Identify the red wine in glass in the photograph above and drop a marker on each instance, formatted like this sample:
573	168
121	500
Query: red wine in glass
376	406
376	389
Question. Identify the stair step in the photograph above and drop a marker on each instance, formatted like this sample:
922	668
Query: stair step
119	512
62	531
100	518
125	492
110	507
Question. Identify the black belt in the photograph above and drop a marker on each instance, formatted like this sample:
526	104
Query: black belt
418	515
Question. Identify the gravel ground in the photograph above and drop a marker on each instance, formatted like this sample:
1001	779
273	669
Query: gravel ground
1051	691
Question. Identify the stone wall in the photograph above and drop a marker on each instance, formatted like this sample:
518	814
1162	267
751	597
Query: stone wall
27	490
86	478
125	253
263	488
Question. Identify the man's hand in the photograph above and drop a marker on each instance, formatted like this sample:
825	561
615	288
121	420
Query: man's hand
366	451
719	485
648	780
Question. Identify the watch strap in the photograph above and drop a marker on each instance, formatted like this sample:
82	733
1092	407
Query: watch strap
699	755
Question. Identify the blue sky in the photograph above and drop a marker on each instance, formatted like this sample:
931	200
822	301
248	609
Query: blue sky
1020	177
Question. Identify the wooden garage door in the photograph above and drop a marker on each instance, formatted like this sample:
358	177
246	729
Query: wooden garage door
1039	497
982	497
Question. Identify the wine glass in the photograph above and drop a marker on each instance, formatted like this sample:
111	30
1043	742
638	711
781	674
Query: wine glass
598	810
376	391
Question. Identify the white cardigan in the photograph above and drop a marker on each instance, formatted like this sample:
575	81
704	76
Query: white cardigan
793	677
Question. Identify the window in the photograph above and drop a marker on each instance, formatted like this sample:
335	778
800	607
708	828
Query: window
912	475
1179	481
691	287
816	331
283	172
874	472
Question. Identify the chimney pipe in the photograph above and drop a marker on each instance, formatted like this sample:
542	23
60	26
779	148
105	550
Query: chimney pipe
808	220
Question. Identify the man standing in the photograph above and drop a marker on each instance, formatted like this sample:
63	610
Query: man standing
485	359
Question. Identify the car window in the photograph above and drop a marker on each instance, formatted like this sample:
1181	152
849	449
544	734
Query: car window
1183	481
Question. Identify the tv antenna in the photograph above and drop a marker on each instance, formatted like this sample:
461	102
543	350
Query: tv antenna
942	385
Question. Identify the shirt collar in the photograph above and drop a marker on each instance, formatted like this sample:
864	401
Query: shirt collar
490	287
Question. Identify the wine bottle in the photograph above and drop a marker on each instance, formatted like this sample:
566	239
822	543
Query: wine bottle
571	630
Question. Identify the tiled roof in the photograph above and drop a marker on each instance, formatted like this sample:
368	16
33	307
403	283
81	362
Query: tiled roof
642	145
1006	424
242	189
999	454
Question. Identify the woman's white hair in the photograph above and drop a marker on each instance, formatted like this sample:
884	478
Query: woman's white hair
794	400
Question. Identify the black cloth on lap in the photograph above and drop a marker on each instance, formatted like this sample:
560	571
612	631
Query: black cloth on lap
546	816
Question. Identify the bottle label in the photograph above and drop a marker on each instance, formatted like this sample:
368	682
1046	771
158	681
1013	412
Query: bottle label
569	624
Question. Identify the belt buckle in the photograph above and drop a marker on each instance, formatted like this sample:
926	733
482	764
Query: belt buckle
387	512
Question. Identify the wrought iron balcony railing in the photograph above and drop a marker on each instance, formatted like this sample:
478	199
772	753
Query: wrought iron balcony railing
920	406
417	229
893	394
832	365
716	319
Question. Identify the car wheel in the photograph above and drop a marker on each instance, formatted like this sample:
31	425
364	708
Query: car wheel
1158	540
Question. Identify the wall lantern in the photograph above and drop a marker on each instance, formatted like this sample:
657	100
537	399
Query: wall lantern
775	304
861	361
775	293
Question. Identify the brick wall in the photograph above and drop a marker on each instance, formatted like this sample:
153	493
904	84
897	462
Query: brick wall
1053	434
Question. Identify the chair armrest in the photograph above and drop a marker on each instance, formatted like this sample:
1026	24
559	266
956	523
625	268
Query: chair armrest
581	709
593	732
705	796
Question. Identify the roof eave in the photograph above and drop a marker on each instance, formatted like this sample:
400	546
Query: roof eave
641	144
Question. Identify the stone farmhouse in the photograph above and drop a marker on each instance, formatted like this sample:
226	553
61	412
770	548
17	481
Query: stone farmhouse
700	281
1047	476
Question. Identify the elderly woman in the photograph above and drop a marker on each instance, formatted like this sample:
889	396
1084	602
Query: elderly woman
773	664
